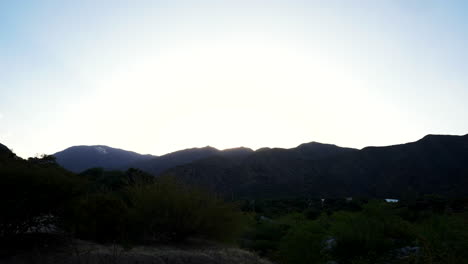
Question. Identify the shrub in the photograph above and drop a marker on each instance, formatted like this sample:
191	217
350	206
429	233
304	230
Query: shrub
33	195
100	180
368	235
444	238
99	217
264	237
169	210
303	244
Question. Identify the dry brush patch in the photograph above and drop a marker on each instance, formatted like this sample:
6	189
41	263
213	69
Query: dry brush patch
84	252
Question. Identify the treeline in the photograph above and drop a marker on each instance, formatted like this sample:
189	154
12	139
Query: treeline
429	229
131	207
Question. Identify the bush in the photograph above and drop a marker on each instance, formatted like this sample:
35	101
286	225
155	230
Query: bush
168	210
303	244
368	235
99	217
34	194
264	237
444	238
100	180
376	234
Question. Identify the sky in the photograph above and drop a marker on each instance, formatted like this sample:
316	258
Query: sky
159	76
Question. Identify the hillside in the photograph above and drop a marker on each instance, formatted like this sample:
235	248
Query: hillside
159	164
4	148
80	158
5	152
435	164
265	173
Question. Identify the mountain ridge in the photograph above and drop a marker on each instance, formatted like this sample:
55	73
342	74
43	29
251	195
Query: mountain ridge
82	157
435	164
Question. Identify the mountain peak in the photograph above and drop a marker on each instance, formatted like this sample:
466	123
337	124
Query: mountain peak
80	158
320	150
314	144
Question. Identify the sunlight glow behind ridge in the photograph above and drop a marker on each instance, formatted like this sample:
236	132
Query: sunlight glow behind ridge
156	77
238	91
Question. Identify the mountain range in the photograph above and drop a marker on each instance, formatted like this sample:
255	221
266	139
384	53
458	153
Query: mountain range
81	158
435	164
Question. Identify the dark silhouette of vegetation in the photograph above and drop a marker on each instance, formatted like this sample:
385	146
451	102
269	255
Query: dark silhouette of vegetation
100	217
130	207
33	194
379	232
170	210
37	195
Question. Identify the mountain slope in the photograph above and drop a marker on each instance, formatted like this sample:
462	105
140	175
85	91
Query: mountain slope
158	164
80	158
4	149
266	172
5	152
434	164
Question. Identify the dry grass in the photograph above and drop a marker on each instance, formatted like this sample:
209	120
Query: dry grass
83	252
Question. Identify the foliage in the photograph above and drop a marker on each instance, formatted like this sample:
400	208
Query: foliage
132	206
264	236
101	180
444	238
33	194
108	206
368	234
170	210
303	244
99	217
378	233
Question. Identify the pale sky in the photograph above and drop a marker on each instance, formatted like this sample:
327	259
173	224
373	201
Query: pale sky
159	76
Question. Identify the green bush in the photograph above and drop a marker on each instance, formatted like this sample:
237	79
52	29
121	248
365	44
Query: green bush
444	238
303	244
368	235
379	233
168	210
264	237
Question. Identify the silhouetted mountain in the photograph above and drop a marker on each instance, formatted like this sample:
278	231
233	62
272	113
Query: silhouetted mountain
266	171
434	164
5	152
158	164
80	158
236	152
4	149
